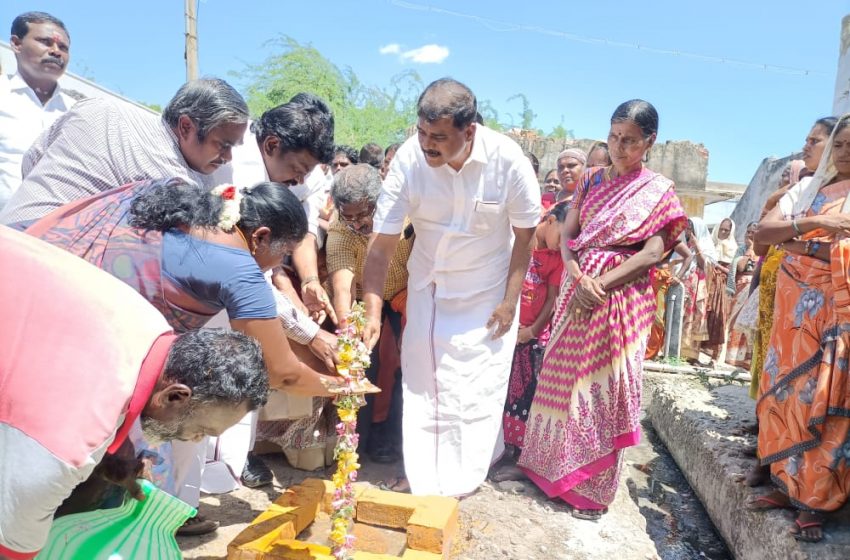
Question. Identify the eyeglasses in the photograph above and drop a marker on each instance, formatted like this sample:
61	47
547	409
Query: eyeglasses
359	218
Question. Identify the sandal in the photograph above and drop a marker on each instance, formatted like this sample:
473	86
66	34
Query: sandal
805	525
256	473
589	514
197	525
774	500
399	484
508	472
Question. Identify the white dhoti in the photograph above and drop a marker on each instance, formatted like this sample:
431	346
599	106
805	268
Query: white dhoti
455	380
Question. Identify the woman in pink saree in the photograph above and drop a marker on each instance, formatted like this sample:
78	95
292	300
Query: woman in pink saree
586	408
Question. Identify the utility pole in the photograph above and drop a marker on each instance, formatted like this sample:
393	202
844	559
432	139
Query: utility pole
191	53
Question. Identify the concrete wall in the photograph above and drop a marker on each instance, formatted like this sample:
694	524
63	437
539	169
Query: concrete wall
763	183
684	162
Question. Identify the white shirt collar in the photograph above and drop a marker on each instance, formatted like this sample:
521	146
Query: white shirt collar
478	152
17	83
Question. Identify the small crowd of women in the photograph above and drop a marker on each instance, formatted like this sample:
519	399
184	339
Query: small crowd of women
802	350
778	303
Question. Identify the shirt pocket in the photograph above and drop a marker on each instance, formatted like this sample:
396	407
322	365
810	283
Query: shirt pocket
487	215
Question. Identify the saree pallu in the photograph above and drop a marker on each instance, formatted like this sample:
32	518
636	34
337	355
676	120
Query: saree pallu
586	408
660	279
528	357
804	407
694	331
97	229
717	311
739	348
761	337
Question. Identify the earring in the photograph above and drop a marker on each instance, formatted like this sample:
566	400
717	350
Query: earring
646	156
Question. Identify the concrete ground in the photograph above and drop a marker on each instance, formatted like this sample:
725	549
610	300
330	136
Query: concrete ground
703	430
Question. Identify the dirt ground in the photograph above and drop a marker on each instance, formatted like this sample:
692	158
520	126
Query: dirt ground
655	515
503	520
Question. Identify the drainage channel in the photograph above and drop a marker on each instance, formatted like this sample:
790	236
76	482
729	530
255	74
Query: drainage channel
675	518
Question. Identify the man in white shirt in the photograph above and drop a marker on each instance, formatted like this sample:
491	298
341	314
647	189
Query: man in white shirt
474	201
286	145
31	99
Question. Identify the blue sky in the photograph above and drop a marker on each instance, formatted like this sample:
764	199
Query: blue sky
575	61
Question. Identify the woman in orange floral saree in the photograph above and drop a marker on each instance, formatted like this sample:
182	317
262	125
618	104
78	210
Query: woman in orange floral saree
804	404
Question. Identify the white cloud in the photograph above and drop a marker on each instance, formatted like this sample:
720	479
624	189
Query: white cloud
427	54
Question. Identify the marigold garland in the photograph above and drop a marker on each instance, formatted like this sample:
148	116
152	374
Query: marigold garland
353	358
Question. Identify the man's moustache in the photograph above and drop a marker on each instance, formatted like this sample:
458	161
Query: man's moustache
57	61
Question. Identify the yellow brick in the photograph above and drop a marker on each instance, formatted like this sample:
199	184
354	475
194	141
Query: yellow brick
288	549
433	525
387	509
270	523
305	501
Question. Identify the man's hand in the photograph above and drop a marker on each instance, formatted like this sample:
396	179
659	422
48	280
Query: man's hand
123	468
281	281
317	301
323	346
501	319
371	332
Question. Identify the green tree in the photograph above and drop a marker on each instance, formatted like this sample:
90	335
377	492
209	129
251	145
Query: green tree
490	114
361	113
527	115
560	131
152	106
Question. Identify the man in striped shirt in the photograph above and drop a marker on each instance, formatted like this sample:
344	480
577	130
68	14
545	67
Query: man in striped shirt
102	144
84	357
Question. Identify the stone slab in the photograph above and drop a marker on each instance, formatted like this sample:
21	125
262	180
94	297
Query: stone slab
702	430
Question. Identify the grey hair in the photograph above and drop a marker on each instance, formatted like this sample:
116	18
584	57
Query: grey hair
356	183
209	102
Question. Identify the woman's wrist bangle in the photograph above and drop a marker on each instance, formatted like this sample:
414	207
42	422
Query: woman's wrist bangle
796	227
577	280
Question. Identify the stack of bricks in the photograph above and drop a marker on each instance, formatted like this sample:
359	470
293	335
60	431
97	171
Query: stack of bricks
431	522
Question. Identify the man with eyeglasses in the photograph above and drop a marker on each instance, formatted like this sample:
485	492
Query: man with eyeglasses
355	197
